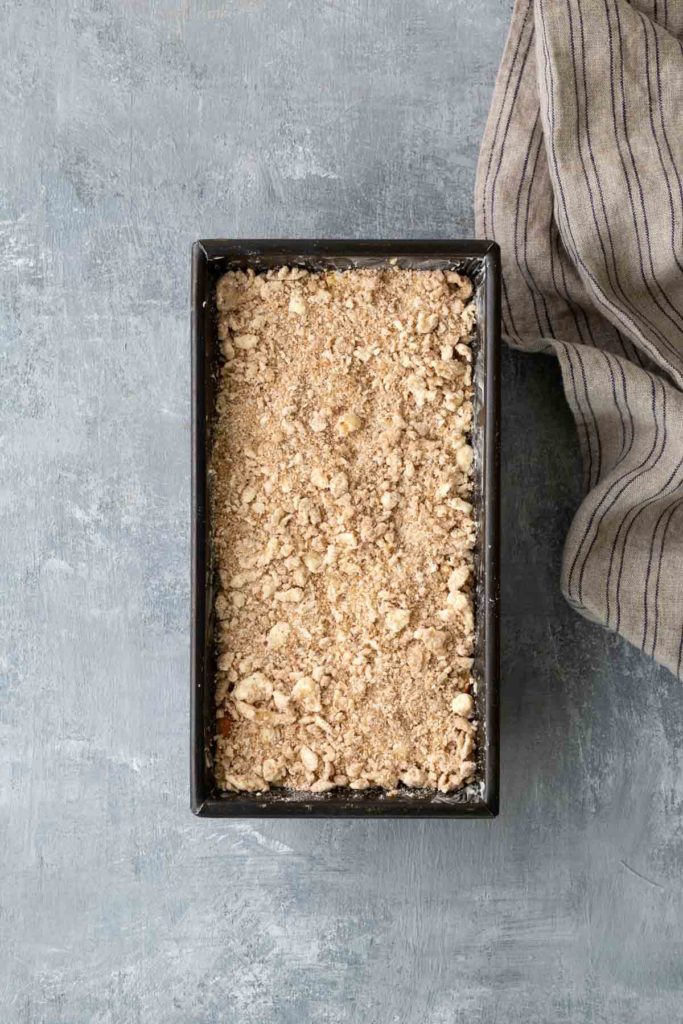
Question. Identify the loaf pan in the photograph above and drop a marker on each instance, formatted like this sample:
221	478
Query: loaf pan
480	261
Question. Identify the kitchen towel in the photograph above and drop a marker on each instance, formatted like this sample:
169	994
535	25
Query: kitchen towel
580	181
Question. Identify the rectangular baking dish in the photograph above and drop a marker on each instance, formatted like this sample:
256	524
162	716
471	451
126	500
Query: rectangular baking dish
478	259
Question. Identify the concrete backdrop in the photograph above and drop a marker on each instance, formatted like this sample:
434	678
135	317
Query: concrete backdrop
129	129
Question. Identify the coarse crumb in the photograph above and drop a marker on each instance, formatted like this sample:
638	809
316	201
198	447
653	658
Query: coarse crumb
344	530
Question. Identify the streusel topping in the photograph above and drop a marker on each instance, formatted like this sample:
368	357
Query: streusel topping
344	530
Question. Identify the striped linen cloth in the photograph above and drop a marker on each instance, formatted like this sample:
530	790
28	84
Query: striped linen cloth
580	181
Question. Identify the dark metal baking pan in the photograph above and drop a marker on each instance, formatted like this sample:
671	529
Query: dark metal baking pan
478	259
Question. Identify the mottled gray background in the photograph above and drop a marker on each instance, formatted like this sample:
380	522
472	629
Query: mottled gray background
129	129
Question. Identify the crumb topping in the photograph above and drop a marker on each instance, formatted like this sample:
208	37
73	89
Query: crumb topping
344	530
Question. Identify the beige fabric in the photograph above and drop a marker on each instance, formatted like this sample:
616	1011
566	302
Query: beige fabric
580	181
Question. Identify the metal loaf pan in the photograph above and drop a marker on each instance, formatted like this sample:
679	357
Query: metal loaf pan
478	259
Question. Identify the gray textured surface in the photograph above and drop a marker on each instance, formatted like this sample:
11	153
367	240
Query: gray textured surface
129	129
